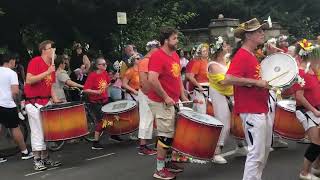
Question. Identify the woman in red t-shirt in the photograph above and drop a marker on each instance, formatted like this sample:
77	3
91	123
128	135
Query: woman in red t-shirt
308	109
96	87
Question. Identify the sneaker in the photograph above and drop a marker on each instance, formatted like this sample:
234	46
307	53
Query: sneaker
308	177
163	174
27	156
97	146
172	167
218	159
315	171
304	141
116	138
279	144
21	116
133	137
271	149
50	162
146	151
241	150
2	160
38	165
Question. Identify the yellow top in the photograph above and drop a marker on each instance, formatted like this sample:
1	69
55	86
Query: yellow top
214	81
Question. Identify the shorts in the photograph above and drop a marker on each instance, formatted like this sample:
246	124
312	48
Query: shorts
10	118
165	118
307	119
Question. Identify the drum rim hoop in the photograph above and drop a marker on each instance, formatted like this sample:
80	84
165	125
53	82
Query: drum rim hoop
72	104
121	110
201	122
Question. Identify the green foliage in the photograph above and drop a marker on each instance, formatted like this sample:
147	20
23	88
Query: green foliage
144	25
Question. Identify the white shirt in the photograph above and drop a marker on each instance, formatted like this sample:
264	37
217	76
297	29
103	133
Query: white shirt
7	78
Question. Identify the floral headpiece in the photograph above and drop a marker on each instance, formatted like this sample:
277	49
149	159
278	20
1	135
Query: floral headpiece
152	44
216	45
197	49
282	38
132	58
306	47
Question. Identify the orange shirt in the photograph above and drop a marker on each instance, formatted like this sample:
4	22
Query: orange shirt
143	65
199	69
132	75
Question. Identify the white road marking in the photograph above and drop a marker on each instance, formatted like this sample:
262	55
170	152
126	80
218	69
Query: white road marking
34	173
106	155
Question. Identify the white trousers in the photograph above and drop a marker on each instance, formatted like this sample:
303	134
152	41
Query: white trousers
37	137
221	112
258	134
146	117
200	107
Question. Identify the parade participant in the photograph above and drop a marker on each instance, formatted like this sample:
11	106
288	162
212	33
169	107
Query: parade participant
96	87
222	94
197	73
79	61
39	92
145	114
62	79
130	81
165	89
282	43
251	97
308	104
9	91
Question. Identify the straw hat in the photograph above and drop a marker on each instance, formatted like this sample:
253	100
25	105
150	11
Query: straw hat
249	26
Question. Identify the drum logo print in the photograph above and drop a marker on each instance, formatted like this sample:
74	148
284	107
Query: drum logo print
102	85
277	69
175	69
258	71
48	80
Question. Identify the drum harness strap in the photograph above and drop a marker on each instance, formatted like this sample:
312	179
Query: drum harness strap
271	98
303	110
131	95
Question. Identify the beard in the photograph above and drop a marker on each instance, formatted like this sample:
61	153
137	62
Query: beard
172	47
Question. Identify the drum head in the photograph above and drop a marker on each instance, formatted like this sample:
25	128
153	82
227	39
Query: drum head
183	108
119	106
206	84
288	105
201	118
60	106
282	65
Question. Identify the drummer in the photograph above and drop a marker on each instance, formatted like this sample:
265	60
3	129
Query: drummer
130	81
221	94
146	116
197	75
308	109
96	87
166	88
38	90
62	78
251	97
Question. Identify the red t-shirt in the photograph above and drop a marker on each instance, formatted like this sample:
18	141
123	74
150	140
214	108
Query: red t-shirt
42	88
199	68
189	85
169	71
311	88
248	99
100	82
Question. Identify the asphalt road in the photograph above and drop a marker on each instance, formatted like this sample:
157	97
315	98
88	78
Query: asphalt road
120	161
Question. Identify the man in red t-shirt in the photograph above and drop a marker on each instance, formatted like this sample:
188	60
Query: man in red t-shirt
166	88
38	90
251	98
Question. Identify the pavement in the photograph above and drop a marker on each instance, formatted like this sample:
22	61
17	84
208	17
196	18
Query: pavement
120	161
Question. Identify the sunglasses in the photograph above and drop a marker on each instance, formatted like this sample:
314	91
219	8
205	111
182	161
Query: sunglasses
52	47
103	64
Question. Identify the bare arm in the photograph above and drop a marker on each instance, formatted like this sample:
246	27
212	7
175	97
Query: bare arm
73	84
183	96
126	86
190	77
15	92
86	62
31	79
54	96
143	79
304	102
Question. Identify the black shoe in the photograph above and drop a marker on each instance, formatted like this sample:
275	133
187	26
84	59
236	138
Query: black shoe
116	138
27	156
97	146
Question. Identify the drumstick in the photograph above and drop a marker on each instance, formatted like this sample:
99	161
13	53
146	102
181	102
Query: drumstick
53	54
187	102
280	75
